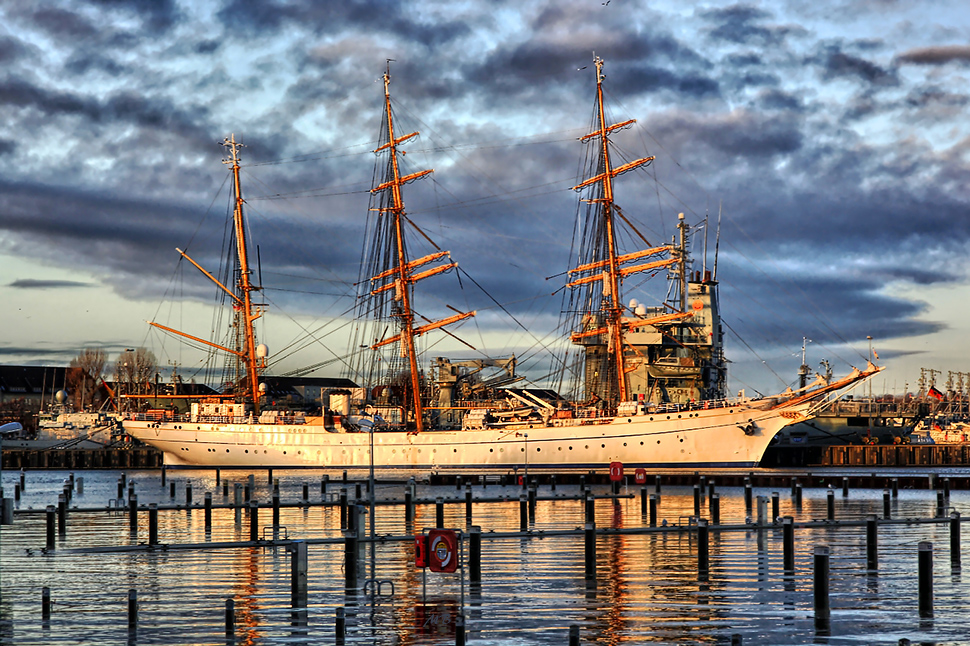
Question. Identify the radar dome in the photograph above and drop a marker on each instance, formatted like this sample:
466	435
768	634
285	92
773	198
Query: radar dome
633	303
262	351
61	396
262	387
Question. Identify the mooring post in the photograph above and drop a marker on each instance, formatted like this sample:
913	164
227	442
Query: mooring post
775	511
711	489
16	491
460	629
457	483
468	504
340	627
251	481
269	476
574	635
80	485
794	481
925	579
230	618
940	504
798	495
703	549
830	503
895	487
523	513
552	482
61	515
697	501
324	480
656	484
218	477
276	509
788	543
748	494
343	508
306	492
345	476
653	510
643	500
350	561
133	515
590	504
532	501
298	574
253	521
886	508
931	481
823	611
475	555
188	494
163	476
590	534
736	640
357	492
225	488
946	488
762	510
439	512
153	524
408	504
237	501
7	512
716	509
45	596
872	544
955	539
50	527
208	511
121	489
132	609
171	489
845	487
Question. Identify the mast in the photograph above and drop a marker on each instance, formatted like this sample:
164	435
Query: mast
612	307
401	275
244	286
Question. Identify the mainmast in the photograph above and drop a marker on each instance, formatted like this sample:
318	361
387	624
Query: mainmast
609	267
245	287
401	276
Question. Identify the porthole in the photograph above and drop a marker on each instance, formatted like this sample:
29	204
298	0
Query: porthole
227	450
641	443
491	450
247	450
522	450
628	420
624	444
658	441
679	416
538	449
681	439
668	416
570	448
651	419
560	448
587	446
284	452
602	446
456	451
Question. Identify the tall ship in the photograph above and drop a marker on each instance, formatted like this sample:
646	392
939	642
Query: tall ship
649	380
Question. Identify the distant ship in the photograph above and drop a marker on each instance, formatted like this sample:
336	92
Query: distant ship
653	378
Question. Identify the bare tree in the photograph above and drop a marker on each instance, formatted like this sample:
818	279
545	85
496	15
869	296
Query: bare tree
84	376
135	371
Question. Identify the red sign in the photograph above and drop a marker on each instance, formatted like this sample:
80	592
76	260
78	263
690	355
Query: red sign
616	471
640	475
421	551
442	550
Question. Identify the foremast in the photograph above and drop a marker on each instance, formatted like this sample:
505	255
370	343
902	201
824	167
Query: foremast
242	296
402	276
607	265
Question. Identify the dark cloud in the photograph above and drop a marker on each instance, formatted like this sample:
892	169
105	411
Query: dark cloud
30	283
838	63
63	24
11	49
7	146
739	24
937	55
157	15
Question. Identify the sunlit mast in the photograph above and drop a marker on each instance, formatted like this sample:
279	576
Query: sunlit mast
609	270
243	300
403	273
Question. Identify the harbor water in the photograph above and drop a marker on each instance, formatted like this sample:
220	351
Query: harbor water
647	586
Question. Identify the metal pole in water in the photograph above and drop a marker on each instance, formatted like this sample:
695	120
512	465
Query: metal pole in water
475	555
552	482
886	510
748	493
925	579
710	488
163	476
61	515
343	508
653	510
208	510
845	487
798	495
697	500
872	544
50	527
703	549
590	507
940	504
788	542
408	504
574	635
80	486
533	493
269	475
656	485
121	489
716	509
306	492
253	521
251	480
794	481
775	512
298	574
16	491
955	539
350	560
132	609
590	533
188	493
340	627
468	504
946	488
153	524
523	513
171	489
225	488
133	515
439	513
823	611
45	611
643	500
324	479
237	500
230	618
762	510
218	476
830	503
276	509
895	482
735	640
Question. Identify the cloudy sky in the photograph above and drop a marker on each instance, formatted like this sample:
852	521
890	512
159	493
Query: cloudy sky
830	135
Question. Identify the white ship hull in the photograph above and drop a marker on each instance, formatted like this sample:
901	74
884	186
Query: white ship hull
734	436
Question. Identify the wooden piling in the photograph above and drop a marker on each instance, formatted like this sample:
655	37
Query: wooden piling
408	504
697	501
51	510
940	504
590	553
643	500
237	501
163	476
269	476
955	539
188	494
653	510
343	507
276	509
468	504
171	489
830	504
823	610
340	627
230	618
45	611
61	515
350	561
590	504
925	577
715	509
298	574
306	492
324	481
253	521
218	477
886	507
133	515
208	511
439	513
574	635
775	510
798	495
460	629
845	487
703	549
748	495
132	609
523	512
121	489
895	487
225	488
79	485
475	555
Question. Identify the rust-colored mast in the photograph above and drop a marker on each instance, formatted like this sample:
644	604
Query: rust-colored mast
245	286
